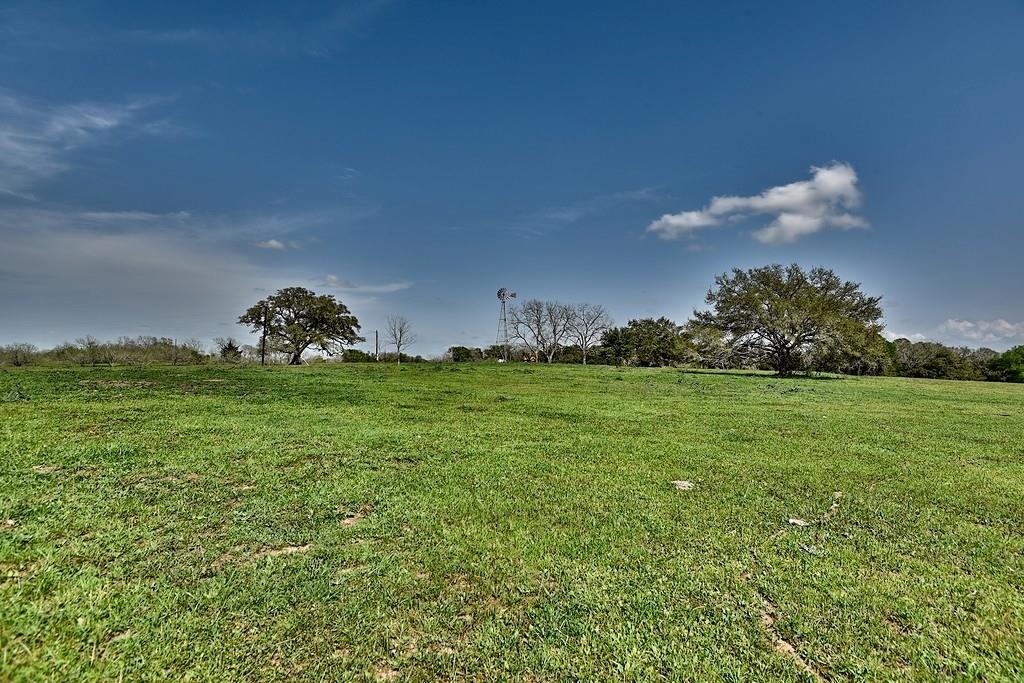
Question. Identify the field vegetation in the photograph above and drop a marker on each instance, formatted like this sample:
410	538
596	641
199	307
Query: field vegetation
520	522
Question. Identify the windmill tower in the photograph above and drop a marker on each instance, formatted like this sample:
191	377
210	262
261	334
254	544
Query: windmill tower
503	296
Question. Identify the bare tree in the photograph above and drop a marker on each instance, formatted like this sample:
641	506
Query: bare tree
587	322
18	354
399	332
541	326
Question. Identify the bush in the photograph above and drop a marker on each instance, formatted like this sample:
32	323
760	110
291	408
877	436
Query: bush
932	360
647	343
1009	366
464	354
229	350
18	354
357	356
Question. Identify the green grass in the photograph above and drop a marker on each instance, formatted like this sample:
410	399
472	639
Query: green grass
507	522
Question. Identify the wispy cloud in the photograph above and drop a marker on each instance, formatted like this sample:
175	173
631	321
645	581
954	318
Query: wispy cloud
334	282
119	217
321	36
983	331
36	141
266	230
543	221
805	207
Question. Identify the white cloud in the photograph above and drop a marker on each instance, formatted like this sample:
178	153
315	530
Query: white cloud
36	140
801	208
277	245
985	331
335	282
913	336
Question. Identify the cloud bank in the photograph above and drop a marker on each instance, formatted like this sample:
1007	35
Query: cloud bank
984	331
68	273
805	207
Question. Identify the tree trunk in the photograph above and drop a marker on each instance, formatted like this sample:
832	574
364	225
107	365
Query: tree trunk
782	364
296	359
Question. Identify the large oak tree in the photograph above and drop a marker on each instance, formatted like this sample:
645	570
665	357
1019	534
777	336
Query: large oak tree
784	313
295	319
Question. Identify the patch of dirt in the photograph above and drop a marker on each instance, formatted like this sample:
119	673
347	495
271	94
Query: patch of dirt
459	582
44	469
769	612
233	558
118	637
683	485
383	672
116	383
782	646
277	552
342	574
12	571
834	508
353	517
897	625
8	523
193	477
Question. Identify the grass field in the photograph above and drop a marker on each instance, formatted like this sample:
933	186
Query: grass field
507	522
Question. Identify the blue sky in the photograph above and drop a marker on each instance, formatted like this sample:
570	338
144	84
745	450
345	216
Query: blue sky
164	165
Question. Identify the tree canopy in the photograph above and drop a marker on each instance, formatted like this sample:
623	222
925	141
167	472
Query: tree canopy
1009	367
646	342
296	319
787	314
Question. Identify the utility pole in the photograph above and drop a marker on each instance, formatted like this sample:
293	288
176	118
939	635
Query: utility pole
263	338
376	346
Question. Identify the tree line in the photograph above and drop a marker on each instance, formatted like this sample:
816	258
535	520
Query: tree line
776	317
779	318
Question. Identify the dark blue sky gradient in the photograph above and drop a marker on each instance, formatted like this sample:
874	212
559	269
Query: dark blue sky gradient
426	154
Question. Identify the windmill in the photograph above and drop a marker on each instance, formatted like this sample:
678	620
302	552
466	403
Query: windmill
503	296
